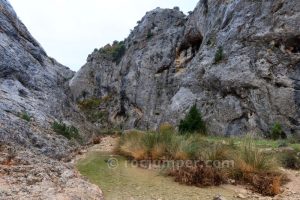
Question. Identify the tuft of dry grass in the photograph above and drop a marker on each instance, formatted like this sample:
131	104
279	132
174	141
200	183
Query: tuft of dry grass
256	168
268	184
276	185
130	145
216	151
199	175
158	151
165	144
249	159
166	128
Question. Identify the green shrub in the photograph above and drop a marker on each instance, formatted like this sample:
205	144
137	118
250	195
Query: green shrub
26	116
219	56
283	143
290	160
90	107
114	51
192	122
67	131
88	104
277	132
149	34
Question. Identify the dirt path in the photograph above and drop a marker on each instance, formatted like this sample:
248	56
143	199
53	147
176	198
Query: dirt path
107	144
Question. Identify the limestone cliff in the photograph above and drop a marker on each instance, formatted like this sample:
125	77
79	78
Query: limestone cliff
35	85
170	63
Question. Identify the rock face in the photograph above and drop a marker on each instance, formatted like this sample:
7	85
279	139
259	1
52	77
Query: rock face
33	85
170	64
30	82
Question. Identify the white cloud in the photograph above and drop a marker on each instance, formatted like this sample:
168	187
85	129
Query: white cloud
70	29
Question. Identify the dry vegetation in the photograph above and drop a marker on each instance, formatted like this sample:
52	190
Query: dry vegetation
246	161
253	167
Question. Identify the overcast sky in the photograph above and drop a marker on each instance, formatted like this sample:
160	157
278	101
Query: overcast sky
69	30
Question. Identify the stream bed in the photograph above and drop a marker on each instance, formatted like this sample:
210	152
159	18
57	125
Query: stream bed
123	181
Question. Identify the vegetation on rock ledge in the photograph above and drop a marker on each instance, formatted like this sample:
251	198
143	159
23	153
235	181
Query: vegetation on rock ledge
115	51
67	131
25	116
91	108
219	56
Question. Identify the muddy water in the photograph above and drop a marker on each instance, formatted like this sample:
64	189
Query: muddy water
127	182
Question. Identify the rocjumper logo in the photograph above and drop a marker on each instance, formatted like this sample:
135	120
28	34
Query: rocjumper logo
113	163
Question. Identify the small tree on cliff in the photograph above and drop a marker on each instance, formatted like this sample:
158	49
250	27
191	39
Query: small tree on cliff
193	122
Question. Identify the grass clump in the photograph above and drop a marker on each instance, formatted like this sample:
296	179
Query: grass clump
67	131
150	145
257	168
164	144
166	127
193	122
25	116
290	160
277	132
131	145
251	160
219	55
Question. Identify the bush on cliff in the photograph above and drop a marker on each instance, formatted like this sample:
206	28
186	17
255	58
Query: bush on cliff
114	51
219	56
67	131
277	132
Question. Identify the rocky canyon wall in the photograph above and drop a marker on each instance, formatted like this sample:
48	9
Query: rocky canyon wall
170	64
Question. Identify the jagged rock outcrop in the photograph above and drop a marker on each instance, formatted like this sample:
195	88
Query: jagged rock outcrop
169	64
35	85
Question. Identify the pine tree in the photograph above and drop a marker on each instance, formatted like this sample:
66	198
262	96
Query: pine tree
192	122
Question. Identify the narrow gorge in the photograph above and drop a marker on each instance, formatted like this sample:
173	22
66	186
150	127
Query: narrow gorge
238	61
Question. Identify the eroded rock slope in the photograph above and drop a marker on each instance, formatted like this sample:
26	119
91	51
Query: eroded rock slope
33	85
